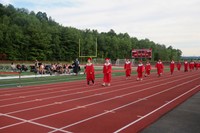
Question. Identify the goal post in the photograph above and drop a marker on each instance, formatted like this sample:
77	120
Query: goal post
84	56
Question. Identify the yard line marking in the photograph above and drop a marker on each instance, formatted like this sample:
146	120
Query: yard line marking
101	94
84	91
31	122
123	106
130	124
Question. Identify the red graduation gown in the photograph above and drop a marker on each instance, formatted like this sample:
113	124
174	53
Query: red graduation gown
185	66
178	65
127	67
107	72
159	67
172	66
147	68
89	70
140	70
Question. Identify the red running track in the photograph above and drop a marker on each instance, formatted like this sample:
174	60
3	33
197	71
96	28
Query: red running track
127	106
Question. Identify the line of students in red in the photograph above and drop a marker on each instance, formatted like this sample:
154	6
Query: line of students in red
107	69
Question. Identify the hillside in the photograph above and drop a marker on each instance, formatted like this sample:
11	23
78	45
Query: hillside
26	35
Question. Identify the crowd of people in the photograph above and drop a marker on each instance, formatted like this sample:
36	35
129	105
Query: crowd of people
58	68
18	67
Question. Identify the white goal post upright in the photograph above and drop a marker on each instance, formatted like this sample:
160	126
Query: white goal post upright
87	55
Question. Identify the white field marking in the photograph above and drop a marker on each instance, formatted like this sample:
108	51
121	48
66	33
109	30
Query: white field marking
109	111
43	90
139	116
28	89
80	107
3	90
144	99
123	106
130	124
6	99
50	85
11	125
38	99
95	95
74	94
58	102
82	98
21	97
29	121
87	105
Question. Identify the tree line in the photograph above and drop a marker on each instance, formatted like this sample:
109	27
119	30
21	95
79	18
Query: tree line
26	35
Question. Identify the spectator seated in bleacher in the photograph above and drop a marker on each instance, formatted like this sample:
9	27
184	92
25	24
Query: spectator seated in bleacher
19	67
24	68
13	67
41	68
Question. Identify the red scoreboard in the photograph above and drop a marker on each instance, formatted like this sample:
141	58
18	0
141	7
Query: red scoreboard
142	53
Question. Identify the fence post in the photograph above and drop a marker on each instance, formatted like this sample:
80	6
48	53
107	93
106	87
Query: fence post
20	84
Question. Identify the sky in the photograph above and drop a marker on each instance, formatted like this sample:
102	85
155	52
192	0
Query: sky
173	23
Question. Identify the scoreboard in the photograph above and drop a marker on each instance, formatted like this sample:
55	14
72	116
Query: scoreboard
142	53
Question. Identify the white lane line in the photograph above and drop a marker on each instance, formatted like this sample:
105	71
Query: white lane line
109	111
11	125
123	106
50	87
31	122
132	123
73	109
6	99
80	107
84	91
120	96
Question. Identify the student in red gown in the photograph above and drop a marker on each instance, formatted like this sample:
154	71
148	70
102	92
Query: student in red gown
160	67
186	65
191	65
172	66
140	70
127	67
178	65
89	71
147	69
107	68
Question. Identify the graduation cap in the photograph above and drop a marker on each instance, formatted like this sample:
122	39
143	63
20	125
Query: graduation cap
89	59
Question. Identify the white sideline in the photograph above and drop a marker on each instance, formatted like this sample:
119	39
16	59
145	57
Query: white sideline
37	75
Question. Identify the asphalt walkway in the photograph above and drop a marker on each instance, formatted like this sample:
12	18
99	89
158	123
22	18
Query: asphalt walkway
183	119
